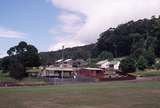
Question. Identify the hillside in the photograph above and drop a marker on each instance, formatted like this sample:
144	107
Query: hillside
130	38
81	52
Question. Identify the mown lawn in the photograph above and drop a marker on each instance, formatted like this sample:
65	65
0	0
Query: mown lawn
147	73
4	77
97	95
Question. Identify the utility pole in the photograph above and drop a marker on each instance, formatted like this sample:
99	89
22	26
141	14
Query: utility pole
62	74
115	49
89	59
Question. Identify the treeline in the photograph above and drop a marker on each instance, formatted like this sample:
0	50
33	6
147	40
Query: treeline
133	37
130	37
81	52
138	41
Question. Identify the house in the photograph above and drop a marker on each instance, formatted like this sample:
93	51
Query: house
79	63
91	72
58	62
34	72
106	64
58	72
71	63
67	63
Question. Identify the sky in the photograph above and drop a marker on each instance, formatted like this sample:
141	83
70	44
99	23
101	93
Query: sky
50	24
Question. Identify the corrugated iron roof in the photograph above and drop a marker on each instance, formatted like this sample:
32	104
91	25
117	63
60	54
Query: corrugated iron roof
92	68
60	69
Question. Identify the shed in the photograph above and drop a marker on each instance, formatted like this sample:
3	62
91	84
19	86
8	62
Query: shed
91	72
58	71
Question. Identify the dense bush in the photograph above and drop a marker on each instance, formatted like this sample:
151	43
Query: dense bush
150	57
20	57
157	66
128	65
17	71
141	63
5	63
105	55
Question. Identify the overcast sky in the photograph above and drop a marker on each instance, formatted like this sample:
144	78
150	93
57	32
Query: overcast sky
49	24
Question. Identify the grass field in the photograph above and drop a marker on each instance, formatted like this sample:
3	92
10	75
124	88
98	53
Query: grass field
4	77
97	95
147	73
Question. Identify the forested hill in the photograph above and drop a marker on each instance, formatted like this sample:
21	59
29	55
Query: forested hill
80	52
130	38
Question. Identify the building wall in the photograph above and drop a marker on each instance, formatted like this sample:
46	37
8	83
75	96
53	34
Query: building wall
107	65
116	66
91	73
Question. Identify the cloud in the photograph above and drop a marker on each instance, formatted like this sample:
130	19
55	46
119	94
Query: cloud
64	32
9	33
67	42
3	55
69	24
95	16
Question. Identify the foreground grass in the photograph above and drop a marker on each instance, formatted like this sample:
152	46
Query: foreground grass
97	95
147	73
4	77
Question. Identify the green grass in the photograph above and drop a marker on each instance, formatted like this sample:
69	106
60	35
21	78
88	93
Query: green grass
148	73
91	95
34	70
4	77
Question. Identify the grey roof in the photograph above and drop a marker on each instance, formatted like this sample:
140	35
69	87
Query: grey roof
92	68
110	62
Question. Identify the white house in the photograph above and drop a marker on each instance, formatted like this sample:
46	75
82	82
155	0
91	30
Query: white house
107	64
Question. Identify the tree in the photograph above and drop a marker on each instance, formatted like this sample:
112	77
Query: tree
5	63
21	56
27	54
128	65
150	57
0	64
127	38
137	53
92	62
141	63
105	55
17	70
157	66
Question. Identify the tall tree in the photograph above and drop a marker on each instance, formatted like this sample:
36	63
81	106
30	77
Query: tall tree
26	53
21	56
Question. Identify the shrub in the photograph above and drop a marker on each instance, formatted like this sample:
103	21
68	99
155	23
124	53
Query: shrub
17	71
141	63
128	65
105	55
150	57
157	66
